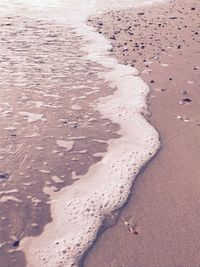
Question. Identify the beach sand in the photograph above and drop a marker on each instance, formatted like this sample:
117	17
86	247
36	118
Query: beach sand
160	225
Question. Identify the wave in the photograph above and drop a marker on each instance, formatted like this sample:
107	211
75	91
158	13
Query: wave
79	210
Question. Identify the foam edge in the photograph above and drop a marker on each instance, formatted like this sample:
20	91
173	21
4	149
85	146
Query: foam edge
79	210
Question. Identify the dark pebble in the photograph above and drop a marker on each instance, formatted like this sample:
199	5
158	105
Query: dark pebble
184	92
16	243
113	38
3	175
187	100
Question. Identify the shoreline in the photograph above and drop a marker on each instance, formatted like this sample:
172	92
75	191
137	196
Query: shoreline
79	209
164	207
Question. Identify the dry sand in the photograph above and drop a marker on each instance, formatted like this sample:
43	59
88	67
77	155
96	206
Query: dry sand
160	226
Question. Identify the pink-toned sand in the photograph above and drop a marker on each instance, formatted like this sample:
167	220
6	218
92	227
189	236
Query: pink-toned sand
160	226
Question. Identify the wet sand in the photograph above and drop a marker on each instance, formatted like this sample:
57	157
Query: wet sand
51	132
160	225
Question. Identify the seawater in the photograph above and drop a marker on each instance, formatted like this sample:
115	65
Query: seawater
78	210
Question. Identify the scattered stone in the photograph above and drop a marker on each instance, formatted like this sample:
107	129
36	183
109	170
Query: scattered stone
113	37
184	101
16	243
7	24
186	119
135	232
187	100
125	49
3	175
35	225
184	92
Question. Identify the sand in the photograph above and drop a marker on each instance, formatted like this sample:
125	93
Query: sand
160	225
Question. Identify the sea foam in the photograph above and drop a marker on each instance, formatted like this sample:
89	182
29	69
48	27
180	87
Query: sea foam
78	211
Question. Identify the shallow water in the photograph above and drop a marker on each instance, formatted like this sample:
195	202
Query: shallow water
49	133
53	70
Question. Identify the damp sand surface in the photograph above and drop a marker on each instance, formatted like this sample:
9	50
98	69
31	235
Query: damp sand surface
160	225
51	132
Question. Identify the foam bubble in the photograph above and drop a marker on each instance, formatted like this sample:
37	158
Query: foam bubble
31	117
68	145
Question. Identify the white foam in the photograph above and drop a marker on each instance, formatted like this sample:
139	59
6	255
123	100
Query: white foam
44	171
68	145
9	198
79	210
57	179
9	192
31	117
38	104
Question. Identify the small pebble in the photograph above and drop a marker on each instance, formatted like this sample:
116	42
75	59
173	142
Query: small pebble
16	243
3	175
187	100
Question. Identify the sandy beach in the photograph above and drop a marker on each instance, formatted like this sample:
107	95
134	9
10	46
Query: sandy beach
160	225
76	130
